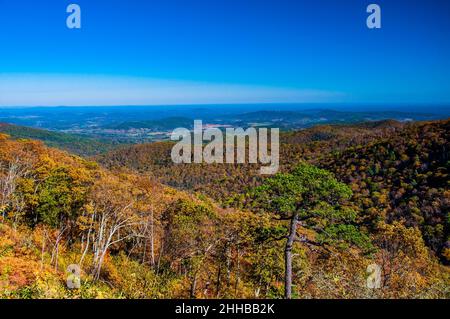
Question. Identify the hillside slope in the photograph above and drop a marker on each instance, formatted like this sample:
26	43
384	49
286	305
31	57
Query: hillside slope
133	237
404	176
398	171
75	144
219	181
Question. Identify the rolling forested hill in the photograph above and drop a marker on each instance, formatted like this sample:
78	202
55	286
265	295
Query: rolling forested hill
398	171
75	144
402	177
219	181
141	227
130	236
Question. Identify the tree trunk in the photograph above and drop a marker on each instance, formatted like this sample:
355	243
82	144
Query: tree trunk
288	257
193	286
44	237
219	273
152	239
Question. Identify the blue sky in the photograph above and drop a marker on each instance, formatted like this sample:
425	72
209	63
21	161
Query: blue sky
223	51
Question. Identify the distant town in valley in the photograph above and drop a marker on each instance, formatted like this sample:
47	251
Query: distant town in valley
137	124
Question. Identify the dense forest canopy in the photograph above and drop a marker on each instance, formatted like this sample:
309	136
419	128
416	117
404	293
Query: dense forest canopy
140	226
397	171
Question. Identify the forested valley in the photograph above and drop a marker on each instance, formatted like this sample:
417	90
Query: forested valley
139	226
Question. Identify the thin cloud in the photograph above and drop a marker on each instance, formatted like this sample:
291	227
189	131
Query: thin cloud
90	90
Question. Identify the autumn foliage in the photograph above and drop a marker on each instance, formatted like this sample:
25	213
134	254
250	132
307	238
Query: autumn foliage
141	227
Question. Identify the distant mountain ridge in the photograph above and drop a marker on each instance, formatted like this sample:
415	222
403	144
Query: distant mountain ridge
137	124
398	171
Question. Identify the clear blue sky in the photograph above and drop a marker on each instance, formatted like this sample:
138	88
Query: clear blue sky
175	51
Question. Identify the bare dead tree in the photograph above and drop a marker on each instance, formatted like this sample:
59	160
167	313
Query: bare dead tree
9	174
55	250
111	221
